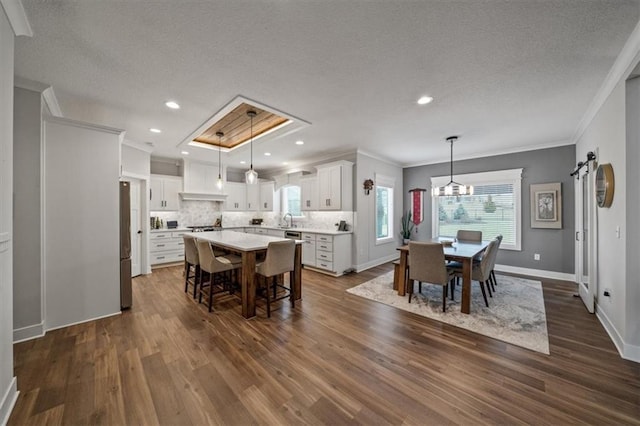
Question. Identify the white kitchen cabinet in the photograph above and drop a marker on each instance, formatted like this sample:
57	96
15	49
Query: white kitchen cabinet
309	249
166	247
163	194
335	186
275	233
200	178
253	197
268	196
236	197
309	193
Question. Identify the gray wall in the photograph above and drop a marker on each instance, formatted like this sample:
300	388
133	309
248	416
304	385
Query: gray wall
556	246
27	294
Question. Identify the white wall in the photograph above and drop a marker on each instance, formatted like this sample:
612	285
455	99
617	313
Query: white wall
367	253
606	134
632	299
27	282
135	162
81	228
8	390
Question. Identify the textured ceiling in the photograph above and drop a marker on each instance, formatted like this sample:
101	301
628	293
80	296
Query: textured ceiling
505	75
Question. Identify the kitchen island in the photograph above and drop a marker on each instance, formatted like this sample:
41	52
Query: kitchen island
248	246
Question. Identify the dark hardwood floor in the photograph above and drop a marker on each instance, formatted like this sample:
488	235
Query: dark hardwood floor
334	359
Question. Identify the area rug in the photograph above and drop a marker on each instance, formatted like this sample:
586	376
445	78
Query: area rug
515	314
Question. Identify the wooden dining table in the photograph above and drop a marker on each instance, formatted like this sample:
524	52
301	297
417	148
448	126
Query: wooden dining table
249	246
460	251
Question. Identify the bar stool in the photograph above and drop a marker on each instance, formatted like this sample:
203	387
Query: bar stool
280	259
215	267
191	263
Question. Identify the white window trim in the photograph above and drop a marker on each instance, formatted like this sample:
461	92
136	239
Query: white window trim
484	178
282	201
387	182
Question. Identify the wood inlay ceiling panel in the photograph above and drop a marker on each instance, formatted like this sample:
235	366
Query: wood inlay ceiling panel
236	126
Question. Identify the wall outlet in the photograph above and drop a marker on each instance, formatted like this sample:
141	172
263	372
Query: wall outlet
536	256
607	292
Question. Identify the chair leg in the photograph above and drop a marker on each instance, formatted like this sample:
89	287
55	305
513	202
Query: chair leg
452	284
200	295
210	291
419	286
444	298
187	267
197	277
493	275
492	280
484	294
268	298
292	294
488	288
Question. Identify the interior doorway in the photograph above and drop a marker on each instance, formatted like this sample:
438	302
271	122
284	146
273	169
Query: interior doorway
136	227
585	237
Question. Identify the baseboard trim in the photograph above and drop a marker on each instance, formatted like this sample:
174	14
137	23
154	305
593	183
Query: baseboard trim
536	273
8	401
626	351
83	321
376	262
28	333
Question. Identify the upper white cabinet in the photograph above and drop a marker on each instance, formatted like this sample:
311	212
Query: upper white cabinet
268	197
335	186
309	193
200	181
164	192
237	196
253	197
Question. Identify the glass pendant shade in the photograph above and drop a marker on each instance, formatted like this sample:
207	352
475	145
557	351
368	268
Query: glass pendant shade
219	182
251	176
452	188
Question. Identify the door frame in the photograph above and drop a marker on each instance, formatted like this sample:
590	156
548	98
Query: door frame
145	262
587	285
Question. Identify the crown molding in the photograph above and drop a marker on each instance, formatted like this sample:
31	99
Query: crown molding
622	68
137	145
83	125
17	17
51	101
45	90
377	157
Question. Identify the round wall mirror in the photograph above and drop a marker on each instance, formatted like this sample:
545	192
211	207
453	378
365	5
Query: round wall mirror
605	185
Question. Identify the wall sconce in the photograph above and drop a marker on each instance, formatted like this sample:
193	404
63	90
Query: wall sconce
368	186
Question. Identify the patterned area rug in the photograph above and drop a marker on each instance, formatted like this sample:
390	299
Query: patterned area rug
515	314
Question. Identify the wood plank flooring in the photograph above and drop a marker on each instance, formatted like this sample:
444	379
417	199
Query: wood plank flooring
334	359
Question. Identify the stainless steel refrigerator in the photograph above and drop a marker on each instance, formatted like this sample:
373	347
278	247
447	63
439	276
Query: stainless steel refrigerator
125	246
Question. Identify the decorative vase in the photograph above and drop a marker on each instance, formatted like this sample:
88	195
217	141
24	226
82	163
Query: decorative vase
405	241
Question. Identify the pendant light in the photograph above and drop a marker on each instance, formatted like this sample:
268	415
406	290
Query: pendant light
251	176
219	181
452	188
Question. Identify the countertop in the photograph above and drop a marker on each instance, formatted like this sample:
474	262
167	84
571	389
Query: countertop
309	230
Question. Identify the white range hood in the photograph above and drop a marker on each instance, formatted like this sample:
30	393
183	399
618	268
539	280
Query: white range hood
196	196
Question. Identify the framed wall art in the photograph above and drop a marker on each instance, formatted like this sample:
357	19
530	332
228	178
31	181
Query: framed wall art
546	205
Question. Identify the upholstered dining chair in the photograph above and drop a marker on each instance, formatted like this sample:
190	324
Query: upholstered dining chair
279	260
215	266
191	263
467	235
426	264
481	271
494	282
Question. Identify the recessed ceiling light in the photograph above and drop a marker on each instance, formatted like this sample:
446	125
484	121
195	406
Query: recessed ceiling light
268	154
185	152
285	163
155	130
243	162
172	105
425	100
299	142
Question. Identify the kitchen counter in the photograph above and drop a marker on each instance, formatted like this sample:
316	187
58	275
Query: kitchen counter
171	230
310	230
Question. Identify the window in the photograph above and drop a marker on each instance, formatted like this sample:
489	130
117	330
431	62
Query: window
291	200
384	209
494	208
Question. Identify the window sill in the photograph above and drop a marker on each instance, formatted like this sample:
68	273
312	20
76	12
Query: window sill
383	241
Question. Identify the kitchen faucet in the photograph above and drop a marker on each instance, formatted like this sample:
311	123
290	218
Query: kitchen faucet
291	219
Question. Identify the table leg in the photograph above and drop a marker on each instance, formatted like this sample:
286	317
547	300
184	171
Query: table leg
295	276
403	271
248	284
465	307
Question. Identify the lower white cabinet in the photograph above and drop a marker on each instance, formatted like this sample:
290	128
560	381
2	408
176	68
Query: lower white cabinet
166	247
327	253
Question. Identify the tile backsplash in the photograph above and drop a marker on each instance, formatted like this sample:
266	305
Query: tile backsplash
196	213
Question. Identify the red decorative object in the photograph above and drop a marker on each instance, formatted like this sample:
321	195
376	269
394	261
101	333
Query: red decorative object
417	211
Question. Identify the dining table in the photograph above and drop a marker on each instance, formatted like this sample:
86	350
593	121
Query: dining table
249	246
458	251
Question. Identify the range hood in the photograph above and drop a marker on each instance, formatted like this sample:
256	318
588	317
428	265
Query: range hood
196	196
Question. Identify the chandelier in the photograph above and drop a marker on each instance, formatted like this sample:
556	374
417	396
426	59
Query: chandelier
452	188
219	181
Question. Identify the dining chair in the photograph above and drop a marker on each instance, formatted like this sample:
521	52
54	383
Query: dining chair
468	235
191	263
481	271
215	266
494	282
426	264
279	260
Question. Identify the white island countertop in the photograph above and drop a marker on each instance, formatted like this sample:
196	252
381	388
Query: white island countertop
239	240
309	230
